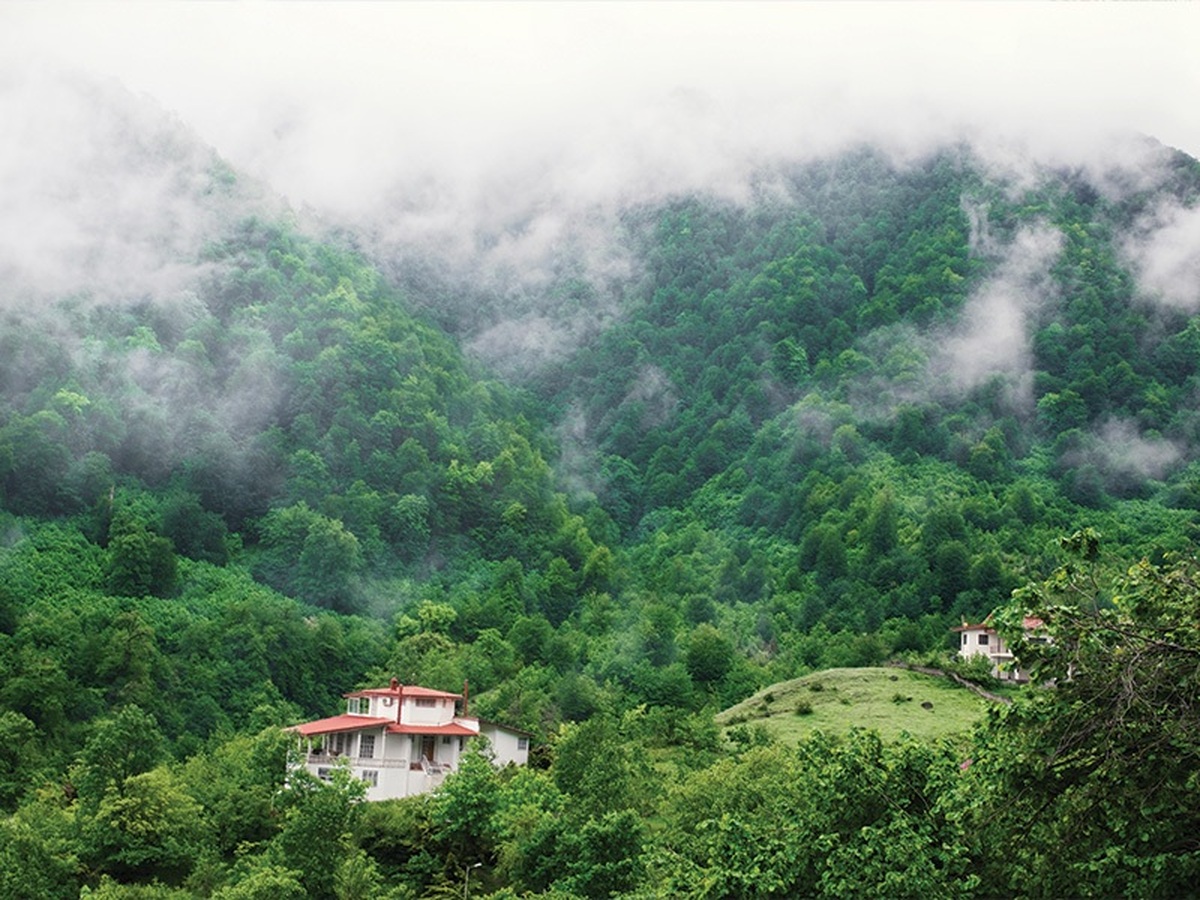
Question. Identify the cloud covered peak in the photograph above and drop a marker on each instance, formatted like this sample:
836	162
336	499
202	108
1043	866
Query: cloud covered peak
106	194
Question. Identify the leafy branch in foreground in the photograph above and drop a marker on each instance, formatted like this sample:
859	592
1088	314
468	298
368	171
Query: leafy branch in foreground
1098	770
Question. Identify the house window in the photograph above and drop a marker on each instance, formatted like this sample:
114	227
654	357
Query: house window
983	639
522	743
445	739
324	773
964	639
366	746
358	706
426	702
339	743
371	777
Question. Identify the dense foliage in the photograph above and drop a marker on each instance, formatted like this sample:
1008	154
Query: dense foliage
781	377
223	509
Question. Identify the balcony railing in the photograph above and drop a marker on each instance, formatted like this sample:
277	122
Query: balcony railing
356	762
429	767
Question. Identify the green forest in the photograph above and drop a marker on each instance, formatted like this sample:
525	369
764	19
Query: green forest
821	426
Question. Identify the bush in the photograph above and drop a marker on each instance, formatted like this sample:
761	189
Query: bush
977	669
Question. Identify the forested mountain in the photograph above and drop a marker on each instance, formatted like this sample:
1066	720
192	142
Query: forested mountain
249	461
887	389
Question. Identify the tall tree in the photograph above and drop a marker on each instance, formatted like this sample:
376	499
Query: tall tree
1101	767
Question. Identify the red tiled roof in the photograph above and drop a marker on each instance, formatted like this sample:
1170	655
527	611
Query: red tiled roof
1029	623
344	722
500	725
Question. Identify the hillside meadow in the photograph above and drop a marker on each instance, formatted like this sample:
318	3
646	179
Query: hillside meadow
888	700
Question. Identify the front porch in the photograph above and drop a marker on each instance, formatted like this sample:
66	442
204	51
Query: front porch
400	777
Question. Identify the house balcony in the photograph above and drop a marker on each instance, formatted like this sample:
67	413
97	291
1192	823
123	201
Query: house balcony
318	763
385	778
322	758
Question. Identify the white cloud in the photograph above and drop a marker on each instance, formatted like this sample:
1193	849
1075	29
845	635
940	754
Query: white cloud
335	101
515	346
1123	450
993	336
1164	252
494	135
103	193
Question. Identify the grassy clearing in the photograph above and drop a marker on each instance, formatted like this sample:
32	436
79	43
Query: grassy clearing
891	701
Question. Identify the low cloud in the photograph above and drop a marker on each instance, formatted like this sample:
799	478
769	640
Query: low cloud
515	347
990	339
1164	253
993	335
1123	457
499	142
1121	449
106	195
654	395
439	124
577	466
107	202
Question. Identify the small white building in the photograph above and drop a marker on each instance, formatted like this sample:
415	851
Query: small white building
984	640
402	739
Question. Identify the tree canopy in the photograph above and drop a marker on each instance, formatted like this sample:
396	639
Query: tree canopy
793	441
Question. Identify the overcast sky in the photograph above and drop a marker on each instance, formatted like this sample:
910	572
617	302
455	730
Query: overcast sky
334	102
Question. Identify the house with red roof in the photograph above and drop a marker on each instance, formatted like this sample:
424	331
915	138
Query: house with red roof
403	739
983	640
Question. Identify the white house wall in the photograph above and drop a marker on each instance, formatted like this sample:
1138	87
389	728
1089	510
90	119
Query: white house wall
506	745
995	650
397	747
440	713
384	707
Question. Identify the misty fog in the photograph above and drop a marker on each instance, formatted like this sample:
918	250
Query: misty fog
484	155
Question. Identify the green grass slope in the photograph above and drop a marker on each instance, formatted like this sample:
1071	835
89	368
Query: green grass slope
890	701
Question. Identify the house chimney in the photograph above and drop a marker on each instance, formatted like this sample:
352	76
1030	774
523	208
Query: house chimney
395	685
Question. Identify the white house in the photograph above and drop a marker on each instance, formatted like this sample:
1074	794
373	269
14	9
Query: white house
983	640
403	739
